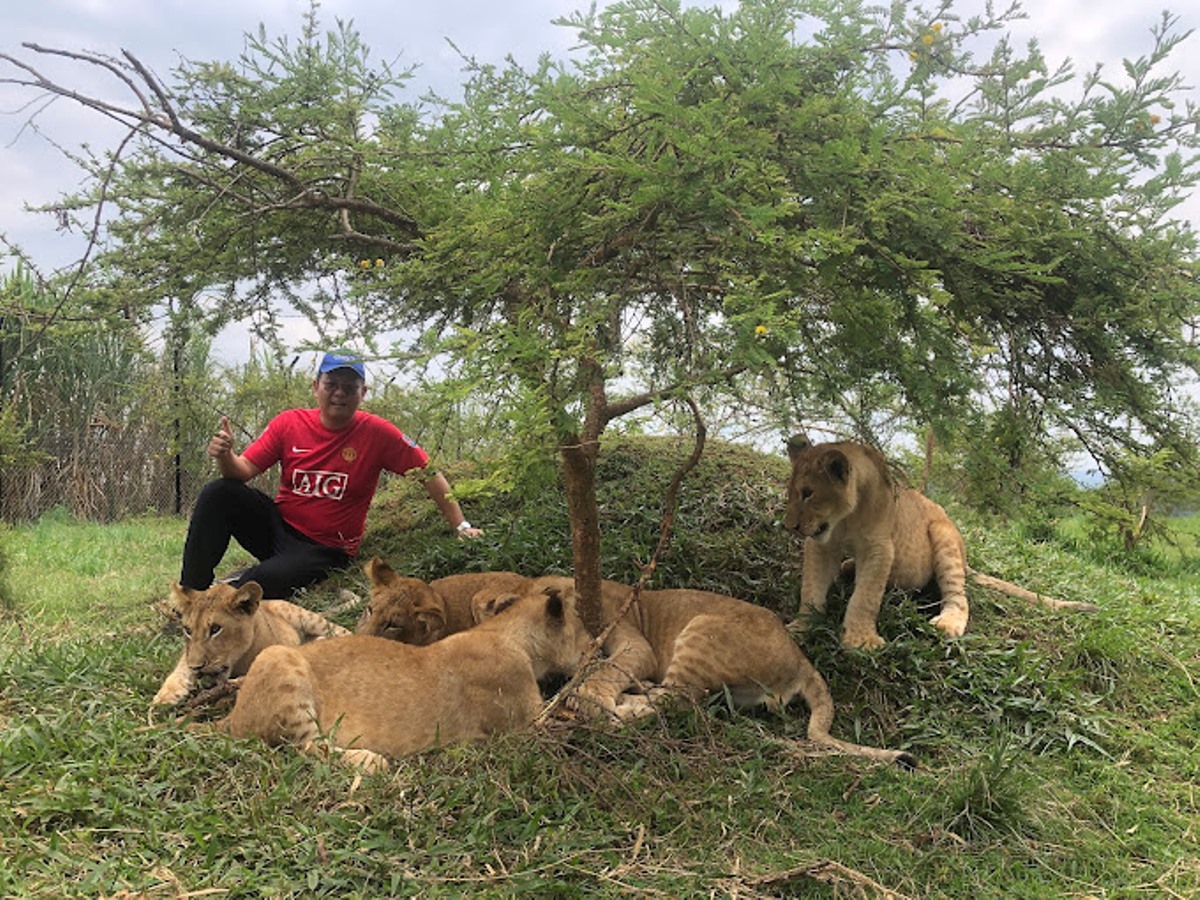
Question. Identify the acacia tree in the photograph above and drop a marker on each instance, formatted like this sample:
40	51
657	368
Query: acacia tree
705	195
836	198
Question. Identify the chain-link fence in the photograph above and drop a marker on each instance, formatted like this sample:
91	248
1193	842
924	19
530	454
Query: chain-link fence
103	474
107	474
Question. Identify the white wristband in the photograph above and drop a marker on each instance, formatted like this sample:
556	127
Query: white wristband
463	525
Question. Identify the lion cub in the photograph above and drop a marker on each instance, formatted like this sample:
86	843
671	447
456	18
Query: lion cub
693	642
842	502
409	610
369	698
628	657
226	627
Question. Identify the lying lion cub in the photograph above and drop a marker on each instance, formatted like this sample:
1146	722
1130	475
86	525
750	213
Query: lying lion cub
842	501
371	698
226	627
628	658
409	610
693	642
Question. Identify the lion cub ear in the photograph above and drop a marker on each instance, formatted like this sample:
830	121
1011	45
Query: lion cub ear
797	444
181	600
245	600
487	603
836	465
555	612
378	572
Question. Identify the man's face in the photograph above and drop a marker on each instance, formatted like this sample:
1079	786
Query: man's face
338	395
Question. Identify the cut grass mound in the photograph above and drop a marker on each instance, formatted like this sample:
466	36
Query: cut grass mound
727	535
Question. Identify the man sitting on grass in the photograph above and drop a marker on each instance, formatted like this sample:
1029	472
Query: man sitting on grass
330	459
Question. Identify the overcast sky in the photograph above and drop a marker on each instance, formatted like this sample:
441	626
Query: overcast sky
160	32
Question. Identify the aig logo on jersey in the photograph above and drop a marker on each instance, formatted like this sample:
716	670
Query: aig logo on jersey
315	483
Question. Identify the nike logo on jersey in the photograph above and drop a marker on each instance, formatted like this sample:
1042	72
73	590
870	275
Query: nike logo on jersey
296	449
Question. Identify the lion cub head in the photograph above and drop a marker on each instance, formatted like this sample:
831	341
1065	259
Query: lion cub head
545	619
820	491
401	609
218	624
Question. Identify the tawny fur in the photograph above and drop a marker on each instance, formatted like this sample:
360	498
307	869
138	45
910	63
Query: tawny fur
692	642
705	642
226	627
409	610
842	500
369	698
628	659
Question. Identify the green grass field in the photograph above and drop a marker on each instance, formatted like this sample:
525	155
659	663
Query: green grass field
1058	757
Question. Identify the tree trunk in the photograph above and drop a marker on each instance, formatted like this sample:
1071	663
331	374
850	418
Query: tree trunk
579	475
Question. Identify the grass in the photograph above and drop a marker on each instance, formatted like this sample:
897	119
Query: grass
1058	752
63	575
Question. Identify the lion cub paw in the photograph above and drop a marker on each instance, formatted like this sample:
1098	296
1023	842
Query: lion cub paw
367	761
952	623
862	639
171	693
590	704
633	706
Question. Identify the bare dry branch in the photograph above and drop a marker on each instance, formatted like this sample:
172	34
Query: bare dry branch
829	872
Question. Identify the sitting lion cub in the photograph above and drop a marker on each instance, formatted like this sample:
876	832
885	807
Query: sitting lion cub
842	501
371	698
409	610
226	627
693	642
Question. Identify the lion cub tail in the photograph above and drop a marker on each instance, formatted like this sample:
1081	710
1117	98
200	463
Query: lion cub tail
812	688
1015	590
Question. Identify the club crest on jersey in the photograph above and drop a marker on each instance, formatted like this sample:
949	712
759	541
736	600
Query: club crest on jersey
349	454
315	483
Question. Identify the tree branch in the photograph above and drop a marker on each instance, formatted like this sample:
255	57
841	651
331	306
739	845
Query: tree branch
637	401
667	524
161	115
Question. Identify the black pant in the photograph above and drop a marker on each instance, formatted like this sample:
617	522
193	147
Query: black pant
288	560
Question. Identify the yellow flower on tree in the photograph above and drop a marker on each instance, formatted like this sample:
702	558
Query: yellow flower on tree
760	330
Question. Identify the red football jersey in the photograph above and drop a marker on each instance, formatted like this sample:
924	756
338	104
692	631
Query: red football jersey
327	478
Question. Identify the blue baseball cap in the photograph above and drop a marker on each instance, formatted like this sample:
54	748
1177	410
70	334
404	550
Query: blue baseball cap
342	359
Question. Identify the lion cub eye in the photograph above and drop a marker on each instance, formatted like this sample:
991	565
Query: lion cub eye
187	632
805	493
214	630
